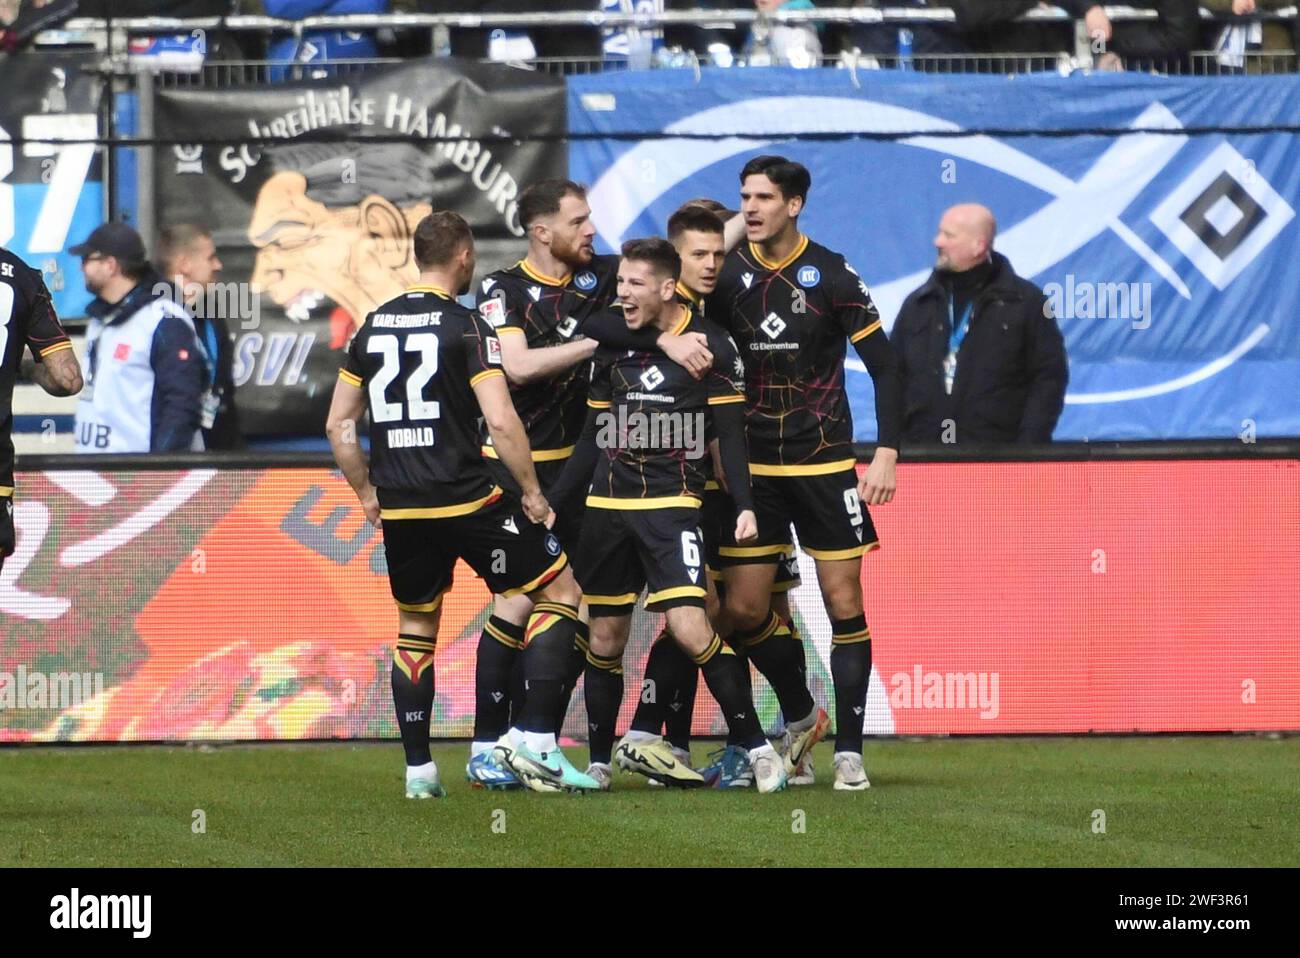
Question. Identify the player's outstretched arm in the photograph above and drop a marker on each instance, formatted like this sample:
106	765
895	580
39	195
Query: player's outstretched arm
577	472
690	350
729	425
524	365
343	427
511	443
880	480
58	373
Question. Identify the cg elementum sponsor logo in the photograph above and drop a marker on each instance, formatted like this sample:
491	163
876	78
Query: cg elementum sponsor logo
77	911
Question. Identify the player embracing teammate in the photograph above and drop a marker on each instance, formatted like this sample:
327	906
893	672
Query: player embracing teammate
789	305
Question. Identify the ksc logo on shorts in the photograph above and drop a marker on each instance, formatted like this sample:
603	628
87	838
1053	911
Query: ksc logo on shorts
585	281
809	276
552	544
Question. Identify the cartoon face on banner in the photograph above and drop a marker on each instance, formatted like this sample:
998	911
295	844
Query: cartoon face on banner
313	190
333	230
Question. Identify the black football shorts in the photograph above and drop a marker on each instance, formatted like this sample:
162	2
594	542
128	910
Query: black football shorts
512	554
825	511
623	551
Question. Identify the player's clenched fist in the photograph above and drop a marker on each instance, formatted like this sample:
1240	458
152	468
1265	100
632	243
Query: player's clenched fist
537	509
746	526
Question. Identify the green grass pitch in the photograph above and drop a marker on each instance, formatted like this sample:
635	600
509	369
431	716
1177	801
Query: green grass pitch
1166	801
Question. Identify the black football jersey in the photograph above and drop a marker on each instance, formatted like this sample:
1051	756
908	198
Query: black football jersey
418	357
791	322
27	321
548	311
654	421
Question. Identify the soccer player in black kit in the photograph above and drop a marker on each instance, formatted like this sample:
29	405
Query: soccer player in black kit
27	322
539	308
790	304
424	368
645	438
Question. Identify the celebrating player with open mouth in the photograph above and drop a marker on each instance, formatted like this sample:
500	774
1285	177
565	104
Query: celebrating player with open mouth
645	440
790	304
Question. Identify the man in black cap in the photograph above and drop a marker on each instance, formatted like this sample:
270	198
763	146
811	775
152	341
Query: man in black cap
146	371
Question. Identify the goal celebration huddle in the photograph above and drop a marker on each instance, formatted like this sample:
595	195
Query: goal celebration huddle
660	422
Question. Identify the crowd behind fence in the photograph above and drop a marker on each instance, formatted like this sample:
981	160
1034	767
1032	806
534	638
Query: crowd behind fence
575	41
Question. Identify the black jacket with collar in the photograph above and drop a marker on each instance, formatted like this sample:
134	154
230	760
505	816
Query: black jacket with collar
1011	367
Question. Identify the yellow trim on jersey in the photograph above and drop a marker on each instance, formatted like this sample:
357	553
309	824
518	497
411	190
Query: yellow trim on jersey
6	491
814	469
627	598
352	379
864	333
712	486
508	329
748	552
555	568
686	321
651	502
55	348
688	294
678	592
485	374
537	455
721	400
430	288
541	277
777	267
826	555
713	574
598	403
441	512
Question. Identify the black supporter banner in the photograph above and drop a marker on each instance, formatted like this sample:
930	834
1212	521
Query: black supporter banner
315	231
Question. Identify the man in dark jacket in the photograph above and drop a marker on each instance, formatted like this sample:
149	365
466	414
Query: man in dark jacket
1161	44
188	260
982	358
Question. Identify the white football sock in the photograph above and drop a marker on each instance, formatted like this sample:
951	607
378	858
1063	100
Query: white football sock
429	770
540	742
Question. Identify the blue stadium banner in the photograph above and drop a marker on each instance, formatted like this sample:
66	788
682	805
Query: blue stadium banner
51	191
1157	213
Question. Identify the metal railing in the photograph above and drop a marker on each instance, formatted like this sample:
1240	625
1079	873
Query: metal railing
110	36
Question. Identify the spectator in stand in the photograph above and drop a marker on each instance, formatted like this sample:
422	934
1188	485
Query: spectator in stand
794	44
145	369
982	26
983	360
188	259
1163	44
550	42
319	46
1233	40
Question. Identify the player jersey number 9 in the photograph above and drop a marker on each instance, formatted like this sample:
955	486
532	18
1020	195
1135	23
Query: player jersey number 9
418	408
